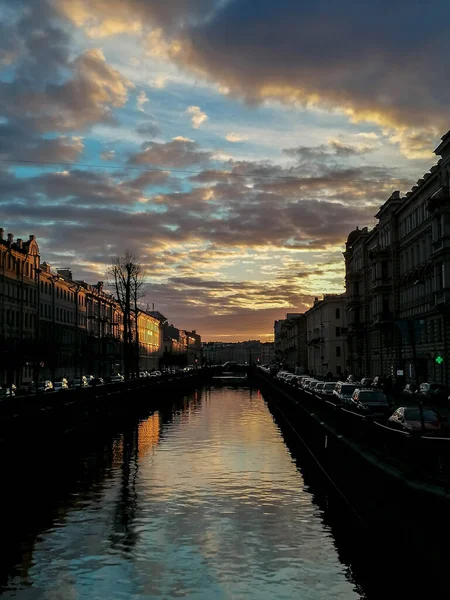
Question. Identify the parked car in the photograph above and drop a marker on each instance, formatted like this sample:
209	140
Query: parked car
318	388
328	389
281	374
343	392
156	374
24	389
96	381
80	382
366	382
312	385
409	390
408	419
43	386
370	402
116	379
433	392
60	386
382	383
7	392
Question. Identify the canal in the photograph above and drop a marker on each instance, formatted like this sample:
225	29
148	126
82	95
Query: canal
201	500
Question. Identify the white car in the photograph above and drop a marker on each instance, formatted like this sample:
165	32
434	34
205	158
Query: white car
117	379
60	386
328	388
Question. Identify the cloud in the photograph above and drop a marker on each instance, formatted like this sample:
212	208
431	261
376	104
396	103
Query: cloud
235	137
18	143
97	16
87	97
180	152
368	136
141	100
334	149
108	155
415	143
299	53
149	128
198	116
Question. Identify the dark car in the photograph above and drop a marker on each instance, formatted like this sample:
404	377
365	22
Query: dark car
96	381
433	392
7	392
410	389
43	386
370	402
366	382
382	383
408	419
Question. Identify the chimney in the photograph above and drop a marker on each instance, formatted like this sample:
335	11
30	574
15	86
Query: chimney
10	238
100	286
2	231
67	273
32	237
19	243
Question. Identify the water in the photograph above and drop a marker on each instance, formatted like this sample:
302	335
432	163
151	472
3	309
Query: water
203	501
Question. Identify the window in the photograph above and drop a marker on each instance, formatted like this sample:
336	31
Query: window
338	313
384	270
338	351
338	331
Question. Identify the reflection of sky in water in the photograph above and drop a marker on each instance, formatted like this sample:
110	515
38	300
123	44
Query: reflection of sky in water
208	506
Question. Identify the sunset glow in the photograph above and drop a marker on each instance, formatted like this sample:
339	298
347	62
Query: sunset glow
233	164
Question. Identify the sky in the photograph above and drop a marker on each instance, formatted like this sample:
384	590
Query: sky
232	145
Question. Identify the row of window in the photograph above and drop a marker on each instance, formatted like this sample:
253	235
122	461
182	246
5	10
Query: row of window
416	254
13	319
413	220
13	291
63	294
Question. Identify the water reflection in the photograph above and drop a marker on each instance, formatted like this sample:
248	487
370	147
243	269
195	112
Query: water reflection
202	501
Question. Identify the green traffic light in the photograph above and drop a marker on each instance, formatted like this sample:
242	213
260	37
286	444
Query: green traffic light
439	360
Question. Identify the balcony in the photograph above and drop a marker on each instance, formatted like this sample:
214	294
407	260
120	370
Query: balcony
381	284
383	317
379	252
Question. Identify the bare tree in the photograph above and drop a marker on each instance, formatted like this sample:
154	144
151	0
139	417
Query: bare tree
126	277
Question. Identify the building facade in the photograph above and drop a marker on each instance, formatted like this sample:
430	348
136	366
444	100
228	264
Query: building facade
250	352
19	302
150	335
54	327
290	342
398	283
326	325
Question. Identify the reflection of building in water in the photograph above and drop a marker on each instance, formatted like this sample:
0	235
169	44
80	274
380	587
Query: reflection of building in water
148	434
117	452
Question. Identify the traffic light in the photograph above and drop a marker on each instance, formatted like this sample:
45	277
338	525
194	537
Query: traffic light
439	359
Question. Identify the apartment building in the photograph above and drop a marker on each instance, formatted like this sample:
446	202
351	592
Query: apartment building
326	327
290	342
398	283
